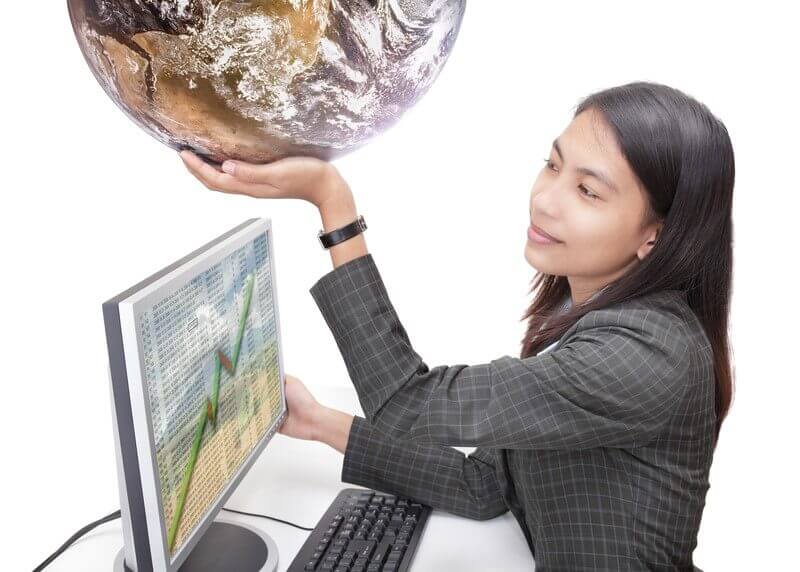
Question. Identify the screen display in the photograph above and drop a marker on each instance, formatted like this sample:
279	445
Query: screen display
210	364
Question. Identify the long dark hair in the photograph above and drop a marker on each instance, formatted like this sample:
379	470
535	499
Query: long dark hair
683	157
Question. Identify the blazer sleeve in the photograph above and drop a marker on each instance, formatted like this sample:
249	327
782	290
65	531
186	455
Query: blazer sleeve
614	381
439	476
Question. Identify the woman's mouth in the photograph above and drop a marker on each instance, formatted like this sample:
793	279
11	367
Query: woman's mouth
539	236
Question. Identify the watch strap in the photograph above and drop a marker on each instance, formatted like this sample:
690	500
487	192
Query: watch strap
333	237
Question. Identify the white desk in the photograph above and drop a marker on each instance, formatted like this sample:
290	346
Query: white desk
296	481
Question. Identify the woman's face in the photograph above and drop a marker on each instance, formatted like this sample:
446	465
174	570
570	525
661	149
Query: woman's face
588	198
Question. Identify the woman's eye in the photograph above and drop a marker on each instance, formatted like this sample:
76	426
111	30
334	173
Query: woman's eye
550	165
588	193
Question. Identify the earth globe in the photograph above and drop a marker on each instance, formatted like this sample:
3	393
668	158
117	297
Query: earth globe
258	80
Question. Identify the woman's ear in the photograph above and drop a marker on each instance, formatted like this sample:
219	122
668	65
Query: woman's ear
650	240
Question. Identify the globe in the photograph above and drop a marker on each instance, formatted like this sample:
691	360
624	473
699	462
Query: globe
258	80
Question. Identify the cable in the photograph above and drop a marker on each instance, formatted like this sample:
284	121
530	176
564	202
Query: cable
269	517
116	514
74	537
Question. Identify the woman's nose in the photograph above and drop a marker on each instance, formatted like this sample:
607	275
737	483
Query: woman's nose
544	202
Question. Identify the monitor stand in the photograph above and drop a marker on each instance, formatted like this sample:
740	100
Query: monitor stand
226	545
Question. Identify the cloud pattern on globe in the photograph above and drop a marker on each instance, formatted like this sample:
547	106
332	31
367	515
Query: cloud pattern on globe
258	80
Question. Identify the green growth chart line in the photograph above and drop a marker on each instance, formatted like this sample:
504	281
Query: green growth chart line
208	411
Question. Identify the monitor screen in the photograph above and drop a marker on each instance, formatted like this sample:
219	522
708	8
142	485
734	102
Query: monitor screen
207	381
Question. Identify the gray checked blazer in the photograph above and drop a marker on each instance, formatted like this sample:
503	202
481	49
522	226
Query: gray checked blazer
600	447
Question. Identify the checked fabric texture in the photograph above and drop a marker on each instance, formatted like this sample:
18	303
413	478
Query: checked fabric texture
600	446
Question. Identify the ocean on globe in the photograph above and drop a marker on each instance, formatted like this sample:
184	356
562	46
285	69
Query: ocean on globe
258	80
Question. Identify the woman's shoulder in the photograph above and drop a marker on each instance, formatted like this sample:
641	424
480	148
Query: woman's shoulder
663	320
662	315
674	305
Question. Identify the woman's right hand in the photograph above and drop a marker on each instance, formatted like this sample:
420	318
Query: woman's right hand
305	178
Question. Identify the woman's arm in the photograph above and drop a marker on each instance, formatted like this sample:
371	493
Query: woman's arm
437	476
336	212
304	178
614	380
332	427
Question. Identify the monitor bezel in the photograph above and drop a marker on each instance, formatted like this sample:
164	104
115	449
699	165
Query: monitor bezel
129	305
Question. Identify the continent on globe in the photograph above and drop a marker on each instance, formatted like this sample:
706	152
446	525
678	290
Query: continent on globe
258	80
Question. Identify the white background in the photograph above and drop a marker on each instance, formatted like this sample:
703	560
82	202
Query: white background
91	204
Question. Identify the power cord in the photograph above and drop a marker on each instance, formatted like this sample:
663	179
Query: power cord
116	514
76	536
269	517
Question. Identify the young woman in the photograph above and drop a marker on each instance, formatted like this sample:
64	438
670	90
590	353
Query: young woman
599	437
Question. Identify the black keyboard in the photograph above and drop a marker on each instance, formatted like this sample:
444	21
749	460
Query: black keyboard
364	531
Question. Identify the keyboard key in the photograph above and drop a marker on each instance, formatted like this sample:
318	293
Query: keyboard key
335	552
363	548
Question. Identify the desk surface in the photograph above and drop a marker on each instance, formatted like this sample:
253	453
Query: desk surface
296	481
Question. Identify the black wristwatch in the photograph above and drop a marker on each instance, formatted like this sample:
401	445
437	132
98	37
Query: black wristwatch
328	239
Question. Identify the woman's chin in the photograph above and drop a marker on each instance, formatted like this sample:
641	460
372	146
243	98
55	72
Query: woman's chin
539	259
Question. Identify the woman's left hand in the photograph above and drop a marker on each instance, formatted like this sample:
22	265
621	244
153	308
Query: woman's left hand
303	411
306	178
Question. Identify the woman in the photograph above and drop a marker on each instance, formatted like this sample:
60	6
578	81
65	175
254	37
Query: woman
600	437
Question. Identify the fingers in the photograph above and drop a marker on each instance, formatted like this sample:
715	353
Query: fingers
272	174
217	180
206	173
291	176
243	171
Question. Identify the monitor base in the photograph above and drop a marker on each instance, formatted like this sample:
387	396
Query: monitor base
226	545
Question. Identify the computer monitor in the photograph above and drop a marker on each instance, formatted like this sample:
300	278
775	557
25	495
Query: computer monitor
197	388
